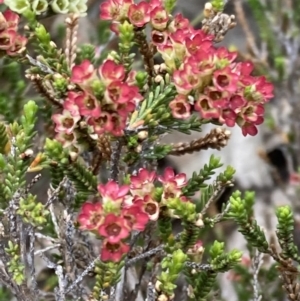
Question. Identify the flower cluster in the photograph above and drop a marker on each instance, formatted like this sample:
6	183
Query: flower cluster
103	109
123	209
42	6
11	43
208	78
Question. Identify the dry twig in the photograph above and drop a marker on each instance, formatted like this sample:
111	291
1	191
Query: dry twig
216	139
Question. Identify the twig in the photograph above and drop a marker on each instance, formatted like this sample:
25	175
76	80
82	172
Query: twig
256	264
53	193
144	255
115	160
44	68
30	259
71	39
218	190
38	252
245	26
60	295
150	292
215	139
82	275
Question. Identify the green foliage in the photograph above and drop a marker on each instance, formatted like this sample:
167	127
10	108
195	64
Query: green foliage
13	165
32	212
198	180
241	211
83	179
14	265
222	261
12	91
172	266
107	274
218	5
285	230
49	55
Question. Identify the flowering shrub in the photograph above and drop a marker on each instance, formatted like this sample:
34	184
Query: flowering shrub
110	213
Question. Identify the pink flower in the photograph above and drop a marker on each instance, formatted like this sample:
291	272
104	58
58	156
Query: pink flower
150	206
65	122
186	80
198	41
112	192
88	105
82	72
180	107
18	46
12	19
142	183
114	228
115	10
236	102
172	183
136	217
139	14
113	252
110	71
159	18
7	39
179	22
91	216
204	106
119	92
225	80
169	176
67	139
69	104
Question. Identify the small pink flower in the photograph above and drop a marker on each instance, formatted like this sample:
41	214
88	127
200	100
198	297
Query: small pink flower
121	93
199	41
204	107
18	46
67	140
113	252
111	191
155	3
225	80
169	176
114	228
91	216
110	71
82	72
88	105
186	80
236	102
151	207
159	38
180	107
179	22
7	39
172	183
69	104
249	129
65	122
159	18
115	10
12	19
223	53
136	217
139	14
118	124
143	183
